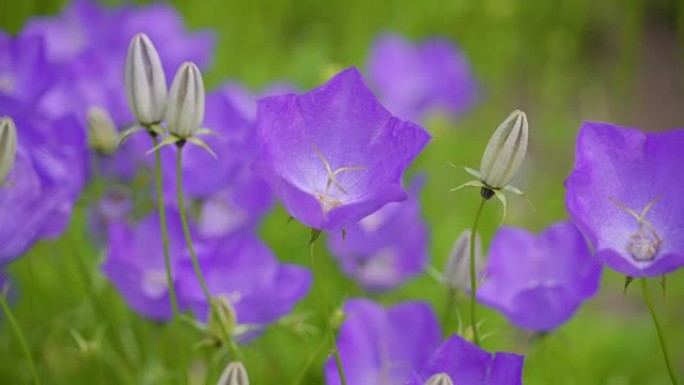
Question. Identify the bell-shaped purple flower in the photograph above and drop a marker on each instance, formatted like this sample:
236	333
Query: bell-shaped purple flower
246	100
246	274
383	346
386	248
467	364
539	281
135	263
334	155
415	79
624	194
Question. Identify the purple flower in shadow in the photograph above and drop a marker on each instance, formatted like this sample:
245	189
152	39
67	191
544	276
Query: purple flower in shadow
383	346
386	248
624	194
467	364
334	155
415	79
539	281
135	263
245	273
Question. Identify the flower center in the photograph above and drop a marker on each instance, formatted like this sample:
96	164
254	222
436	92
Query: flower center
643	244
327	201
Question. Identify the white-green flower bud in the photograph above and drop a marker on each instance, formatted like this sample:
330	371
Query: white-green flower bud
505	151
102	134
145	81
185	110
439	379
234	374
8	146
457	269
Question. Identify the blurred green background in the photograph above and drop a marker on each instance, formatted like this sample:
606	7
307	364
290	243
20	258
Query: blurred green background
560	61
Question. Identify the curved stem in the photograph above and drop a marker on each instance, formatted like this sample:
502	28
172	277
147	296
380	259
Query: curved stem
473	275
186	227
164	227
323	300
659	329
20	336
448	307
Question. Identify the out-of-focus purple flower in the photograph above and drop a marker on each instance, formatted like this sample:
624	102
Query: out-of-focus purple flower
383	346
387	247
334	155
415	79
90	42
25	74
246	100
244	272
539	281
624	194
467	364
115	206
135	263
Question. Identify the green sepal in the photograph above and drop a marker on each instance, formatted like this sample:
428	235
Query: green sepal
504	202
472	183
199	142
662	284
628	281
127	133
290	218
156	129
315	233
171	139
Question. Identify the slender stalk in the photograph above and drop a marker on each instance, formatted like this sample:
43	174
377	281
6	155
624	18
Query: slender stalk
186	227
326	310
164	227
20	336
659	329
448	307
473	276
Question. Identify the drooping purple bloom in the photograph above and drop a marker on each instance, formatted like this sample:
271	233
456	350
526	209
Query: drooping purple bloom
624	195
90	41
244	272
539	281
415	79
386	248
135	263
467	364
334	155
383	346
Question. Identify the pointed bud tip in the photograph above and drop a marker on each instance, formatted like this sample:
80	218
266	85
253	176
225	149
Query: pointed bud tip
145	81
185	109
505	151
234	374
439	379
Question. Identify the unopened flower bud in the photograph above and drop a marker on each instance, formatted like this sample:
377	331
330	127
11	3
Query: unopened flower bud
185	111
457	269
102	134
145	81
439	379
234	374
222	318
505	151
8	146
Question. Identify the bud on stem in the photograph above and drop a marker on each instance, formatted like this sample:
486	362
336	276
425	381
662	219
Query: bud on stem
8	146
505	151
185	110
145	81
234	374
457	269
439	379
102	134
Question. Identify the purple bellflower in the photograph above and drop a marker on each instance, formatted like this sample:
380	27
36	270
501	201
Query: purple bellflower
539	281
135	263
384	346
624	195
246	274
334	155
467	364
246	100
415	79
386	248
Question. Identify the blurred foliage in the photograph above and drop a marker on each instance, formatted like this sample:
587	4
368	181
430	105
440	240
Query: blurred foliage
560	61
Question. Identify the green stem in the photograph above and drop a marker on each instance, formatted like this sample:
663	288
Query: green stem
473	275
449	305
659	329
20	336
323	300
186	228
164	227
